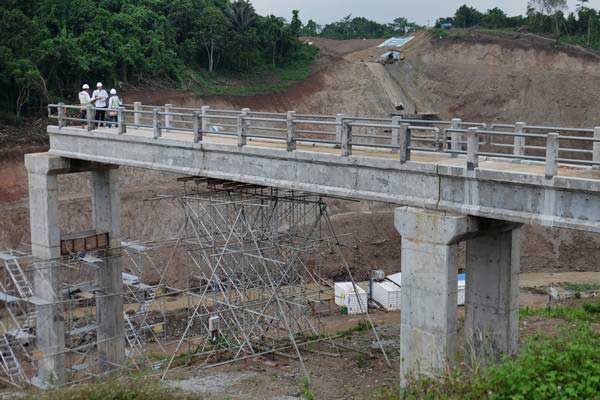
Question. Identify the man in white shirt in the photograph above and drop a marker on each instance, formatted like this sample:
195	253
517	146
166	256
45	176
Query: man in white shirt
84	100
100	96
114	102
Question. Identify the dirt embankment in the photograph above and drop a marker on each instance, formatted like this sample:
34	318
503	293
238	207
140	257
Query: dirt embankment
470	75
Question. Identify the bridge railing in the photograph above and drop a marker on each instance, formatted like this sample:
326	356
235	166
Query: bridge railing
546	145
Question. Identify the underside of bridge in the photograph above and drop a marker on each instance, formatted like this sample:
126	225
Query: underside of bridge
252	281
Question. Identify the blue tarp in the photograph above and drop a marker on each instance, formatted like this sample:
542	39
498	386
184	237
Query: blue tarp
396	41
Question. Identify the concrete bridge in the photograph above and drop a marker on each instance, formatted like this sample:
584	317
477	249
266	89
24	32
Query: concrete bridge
453	181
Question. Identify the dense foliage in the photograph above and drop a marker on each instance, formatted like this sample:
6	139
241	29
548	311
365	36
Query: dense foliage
359	28
49	48
545	17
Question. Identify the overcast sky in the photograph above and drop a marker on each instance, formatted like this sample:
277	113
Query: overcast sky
420	11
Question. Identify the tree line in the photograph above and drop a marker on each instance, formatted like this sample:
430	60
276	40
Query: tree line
544	17
49	48
359	28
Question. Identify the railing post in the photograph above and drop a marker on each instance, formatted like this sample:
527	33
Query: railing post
404	142
552	143
339	119
291	131
596	156
204	112
455	136
89	116
156	123
137	107
440	138
121	120
197	127
168	118
472	148
242	126
61	115
519	145
346	143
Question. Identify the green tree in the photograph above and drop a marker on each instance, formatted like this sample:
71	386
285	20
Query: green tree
241	15
467	17
311	28
296	24
211	33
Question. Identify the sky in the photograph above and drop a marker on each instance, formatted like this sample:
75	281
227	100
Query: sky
420	11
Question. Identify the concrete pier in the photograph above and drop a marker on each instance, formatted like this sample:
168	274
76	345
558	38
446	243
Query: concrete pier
42	171
428	330
492	293
429	287
109	301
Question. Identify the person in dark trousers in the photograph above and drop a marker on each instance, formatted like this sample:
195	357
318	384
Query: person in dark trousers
100	97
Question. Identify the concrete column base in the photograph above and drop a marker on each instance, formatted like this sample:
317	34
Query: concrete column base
492	293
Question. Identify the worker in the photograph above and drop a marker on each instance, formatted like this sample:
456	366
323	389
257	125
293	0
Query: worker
114	102
84	100
100	96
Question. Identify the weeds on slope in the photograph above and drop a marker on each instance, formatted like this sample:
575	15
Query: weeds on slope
565	365
113	389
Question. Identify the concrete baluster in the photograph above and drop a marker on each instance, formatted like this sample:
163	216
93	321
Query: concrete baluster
596	157
156	123
551	155
121	120
339	118
291	131
404	141
89	116
396	132
168	117
61	115
137	107
242	127
519	144
204	113
455	136
346	143
472	148
197	124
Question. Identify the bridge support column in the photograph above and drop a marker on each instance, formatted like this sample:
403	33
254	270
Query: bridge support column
492	292
42	172
429	287
109	300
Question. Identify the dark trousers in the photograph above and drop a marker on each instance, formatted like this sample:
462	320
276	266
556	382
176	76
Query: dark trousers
100	115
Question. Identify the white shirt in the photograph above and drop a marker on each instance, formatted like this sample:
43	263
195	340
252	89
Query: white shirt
114	102
101	97
84	99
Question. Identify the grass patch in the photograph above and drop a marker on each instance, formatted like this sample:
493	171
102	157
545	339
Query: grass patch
132	389
307	393
360	327
563	367
588	312
263	80
582	287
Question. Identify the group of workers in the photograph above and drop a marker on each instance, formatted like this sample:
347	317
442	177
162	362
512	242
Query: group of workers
102	104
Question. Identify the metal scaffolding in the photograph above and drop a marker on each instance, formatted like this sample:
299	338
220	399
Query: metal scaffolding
240	277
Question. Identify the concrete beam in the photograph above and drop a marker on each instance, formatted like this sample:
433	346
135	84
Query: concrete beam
109	302
492	292
497	190
429	290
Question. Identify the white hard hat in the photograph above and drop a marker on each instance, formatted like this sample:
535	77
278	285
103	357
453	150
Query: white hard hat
113	91
99	84
85	86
